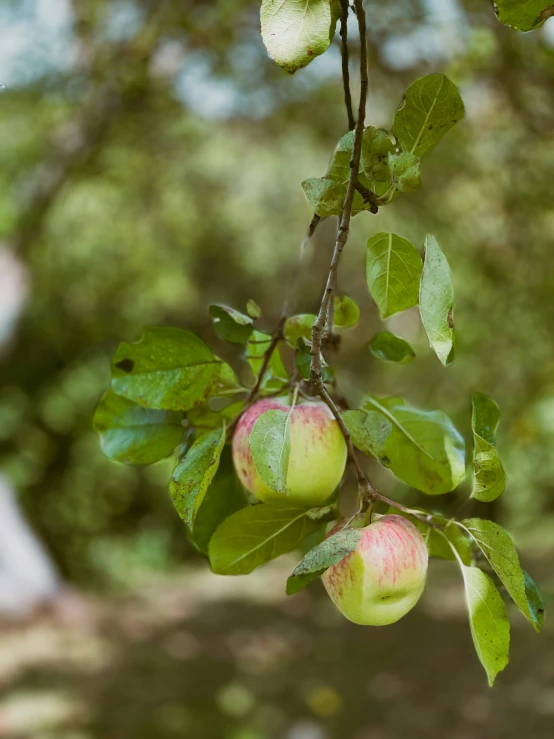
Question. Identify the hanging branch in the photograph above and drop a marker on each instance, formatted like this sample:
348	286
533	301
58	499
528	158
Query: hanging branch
345	71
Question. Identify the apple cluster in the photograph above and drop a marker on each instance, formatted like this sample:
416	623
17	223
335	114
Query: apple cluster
383	577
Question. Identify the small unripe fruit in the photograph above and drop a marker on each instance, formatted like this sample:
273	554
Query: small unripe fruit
317	453
383	578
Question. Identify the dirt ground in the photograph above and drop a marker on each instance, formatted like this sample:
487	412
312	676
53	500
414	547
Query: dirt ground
197	656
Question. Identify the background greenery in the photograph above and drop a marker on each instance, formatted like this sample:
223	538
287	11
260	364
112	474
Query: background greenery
150	163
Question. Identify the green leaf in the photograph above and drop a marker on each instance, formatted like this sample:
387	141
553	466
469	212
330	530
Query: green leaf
296	31
423	448
224	497
431	107
376	150
436	301
257	534
489	478
498	547
168	369
276	375
253	309
393	268
488	621
347	313
203	418
135	435
523	15
194	472
369	431
440	543
300	326
535	601
405	171
391	348
304	362
270	445
326	194
230	324
330	552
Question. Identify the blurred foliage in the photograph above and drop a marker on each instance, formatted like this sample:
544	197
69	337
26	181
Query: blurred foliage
150	165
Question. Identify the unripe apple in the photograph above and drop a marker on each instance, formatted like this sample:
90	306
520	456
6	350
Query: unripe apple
317	453
383	578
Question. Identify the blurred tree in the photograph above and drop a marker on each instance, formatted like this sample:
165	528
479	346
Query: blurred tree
154	157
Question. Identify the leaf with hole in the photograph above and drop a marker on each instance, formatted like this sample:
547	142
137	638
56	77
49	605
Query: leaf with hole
168	369
257	534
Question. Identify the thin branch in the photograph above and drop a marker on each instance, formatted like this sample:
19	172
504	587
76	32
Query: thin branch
344	226
275	339
345	71
369	197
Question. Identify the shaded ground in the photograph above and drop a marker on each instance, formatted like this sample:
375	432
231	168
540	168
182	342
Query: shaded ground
202	657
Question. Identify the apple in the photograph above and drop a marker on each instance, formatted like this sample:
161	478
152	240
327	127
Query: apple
383	578
317	452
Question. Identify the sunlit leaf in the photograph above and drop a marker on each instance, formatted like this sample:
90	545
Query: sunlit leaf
431	106
436	301
276	374
393	270
347	313
296	31
133	434
523	15
489	478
